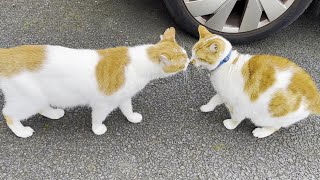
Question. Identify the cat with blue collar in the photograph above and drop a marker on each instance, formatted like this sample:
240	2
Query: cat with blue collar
272	91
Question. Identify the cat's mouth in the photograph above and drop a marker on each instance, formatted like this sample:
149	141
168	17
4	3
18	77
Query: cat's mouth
197	65
195	62
202	67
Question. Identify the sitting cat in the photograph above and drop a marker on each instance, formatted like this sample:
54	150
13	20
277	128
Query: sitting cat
33	78
270	90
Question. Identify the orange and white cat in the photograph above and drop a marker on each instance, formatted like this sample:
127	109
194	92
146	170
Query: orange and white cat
270	90
36	78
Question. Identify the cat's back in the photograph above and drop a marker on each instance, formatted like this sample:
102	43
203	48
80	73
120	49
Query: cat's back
61	74
277	88
71	59
263	72
42	58
267	86
21	58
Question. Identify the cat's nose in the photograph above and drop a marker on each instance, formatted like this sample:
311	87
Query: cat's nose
193	61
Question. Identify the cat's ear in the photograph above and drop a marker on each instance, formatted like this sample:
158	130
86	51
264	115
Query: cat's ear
213	47
164	60
203	32
169	35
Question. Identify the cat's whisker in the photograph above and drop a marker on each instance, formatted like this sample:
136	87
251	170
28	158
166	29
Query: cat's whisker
186	82
198	71
187	77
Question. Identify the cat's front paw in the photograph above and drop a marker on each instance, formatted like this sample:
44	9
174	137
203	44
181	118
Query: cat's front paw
135	118
230	124
23	132
99	129
206	108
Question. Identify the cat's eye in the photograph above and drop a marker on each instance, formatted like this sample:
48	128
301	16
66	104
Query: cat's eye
202	60
181	67
213	48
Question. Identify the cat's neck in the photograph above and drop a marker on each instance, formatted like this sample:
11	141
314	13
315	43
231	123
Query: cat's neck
143	65
228	59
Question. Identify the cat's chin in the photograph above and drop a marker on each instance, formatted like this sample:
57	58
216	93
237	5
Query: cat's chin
203	67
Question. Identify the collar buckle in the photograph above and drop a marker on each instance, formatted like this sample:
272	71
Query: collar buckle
226	59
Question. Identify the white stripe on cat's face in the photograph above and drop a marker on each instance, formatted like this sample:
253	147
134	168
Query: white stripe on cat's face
210	50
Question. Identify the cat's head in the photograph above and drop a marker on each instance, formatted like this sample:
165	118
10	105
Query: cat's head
169	54
210	50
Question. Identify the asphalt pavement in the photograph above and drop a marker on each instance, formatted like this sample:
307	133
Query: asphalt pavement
175	140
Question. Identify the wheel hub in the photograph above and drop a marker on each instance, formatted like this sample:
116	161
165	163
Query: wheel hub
236	16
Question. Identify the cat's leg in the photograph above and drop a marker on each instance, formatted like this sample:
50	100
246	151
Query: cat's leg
236	119
231	123
264	131
212	104
52	113
17	128
13	117
23	99
126	109
99	114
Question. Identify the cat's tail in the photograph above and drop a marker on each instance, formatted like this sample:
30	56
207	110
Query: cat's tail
315	107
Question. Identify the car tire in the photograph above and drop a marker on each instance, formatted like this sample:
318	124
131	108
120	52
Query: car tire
186	21
314	9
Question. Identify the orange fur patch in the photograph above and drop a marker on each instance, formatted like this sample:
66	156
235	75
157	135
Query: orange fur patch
110	71
259	75
172	51
302	85
174	68
203	52
202	42
169	48
284	102
169	35
17	59
315	107
203	32
235	60
8	120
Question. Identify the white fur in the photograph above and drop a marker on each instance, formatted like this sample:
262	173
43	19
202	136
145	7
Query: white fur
228	81
67	79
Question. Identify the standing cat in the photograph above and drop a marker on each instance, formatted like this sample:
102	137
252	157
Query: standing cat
270	90
33	78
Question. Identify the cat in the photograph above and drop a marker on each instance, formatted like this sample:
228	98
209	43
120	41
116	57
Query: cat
35	78
270	90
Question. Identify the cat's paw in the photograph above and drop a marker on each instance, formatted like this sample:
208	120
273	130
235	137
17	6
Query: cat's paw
53	113
23	132
262	132
100	129
230	124
206	108
135	118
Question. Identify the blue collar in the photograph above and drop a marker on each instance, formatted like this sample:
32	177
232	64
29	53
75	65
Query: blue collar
226	59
